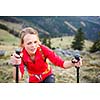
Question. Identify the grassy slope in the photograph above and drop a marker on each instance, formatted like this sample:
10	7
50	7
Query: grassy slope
7	39
67	41
8	43
90	70
10	25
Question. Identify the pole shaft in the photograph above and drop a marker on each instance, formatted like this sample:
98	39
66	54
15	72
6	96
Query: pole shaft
18	51
17	74
77	74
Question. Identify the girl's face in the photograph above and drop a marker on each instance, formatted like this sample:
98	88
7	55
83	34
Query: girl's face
31	43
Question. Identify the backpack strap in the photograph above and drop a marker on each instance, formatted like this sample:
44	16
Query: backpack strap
43	56
45	72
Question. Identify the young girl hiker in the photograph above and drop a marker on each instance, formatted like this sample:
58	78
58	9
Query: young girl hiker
34	55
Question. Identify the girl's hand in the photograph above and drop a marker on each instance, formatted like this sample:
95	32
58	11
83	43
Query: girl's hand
73	63
77	63
15	59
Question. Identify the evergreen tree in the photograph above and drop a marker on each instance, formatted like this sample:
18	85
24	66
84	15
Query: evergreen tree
47	41
96	46
44	41
78	42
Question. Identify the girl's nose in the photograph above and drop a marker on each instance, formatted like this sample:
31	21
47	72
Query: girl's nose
33	44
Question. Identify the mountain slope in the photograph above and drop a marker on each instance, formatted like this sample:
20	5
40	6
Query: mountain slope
55	25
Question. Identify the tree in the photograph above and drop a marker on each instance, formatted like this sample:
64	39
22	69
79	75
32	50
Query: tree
96	46
47	41
78	42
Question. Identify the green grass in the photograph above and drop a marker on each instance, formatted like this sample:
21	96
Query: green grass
8	43
7	39
66	42
11	25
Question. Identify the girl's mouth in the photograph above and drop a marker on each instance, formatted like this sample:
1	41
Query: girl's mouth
33	50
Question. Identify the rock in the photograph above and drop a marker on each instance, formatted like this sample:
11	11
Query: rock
98	78
2	52
98	52
68	53
95	63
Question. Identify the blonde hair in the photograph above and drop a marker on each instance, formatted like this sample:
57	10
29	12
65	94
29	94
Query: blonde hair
25	31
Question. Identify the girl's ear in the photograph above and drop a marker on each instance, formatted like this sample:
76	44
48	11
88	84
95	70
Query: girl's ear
40	43
22	45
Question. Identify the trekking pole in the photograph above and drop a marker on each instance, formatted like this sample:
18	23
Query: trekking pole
77	57
17	66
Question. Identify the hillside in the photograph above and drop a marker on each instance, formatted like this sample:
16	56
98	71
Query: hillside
88	73
56	27
8	43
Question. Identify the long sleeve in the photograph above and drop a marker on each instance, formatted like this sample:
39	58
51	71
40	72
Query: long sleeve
52	56
21	67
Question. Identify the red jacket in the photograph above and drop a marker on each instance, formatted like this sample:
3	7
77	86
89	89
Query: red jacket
38	69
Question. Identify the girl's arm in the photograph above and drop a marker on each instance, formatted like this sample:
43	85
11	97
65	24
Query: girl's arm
16	60
68	64
57	60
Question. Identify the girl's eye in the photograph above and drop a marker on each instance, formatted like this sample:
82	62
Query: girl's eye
35	41
29	43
